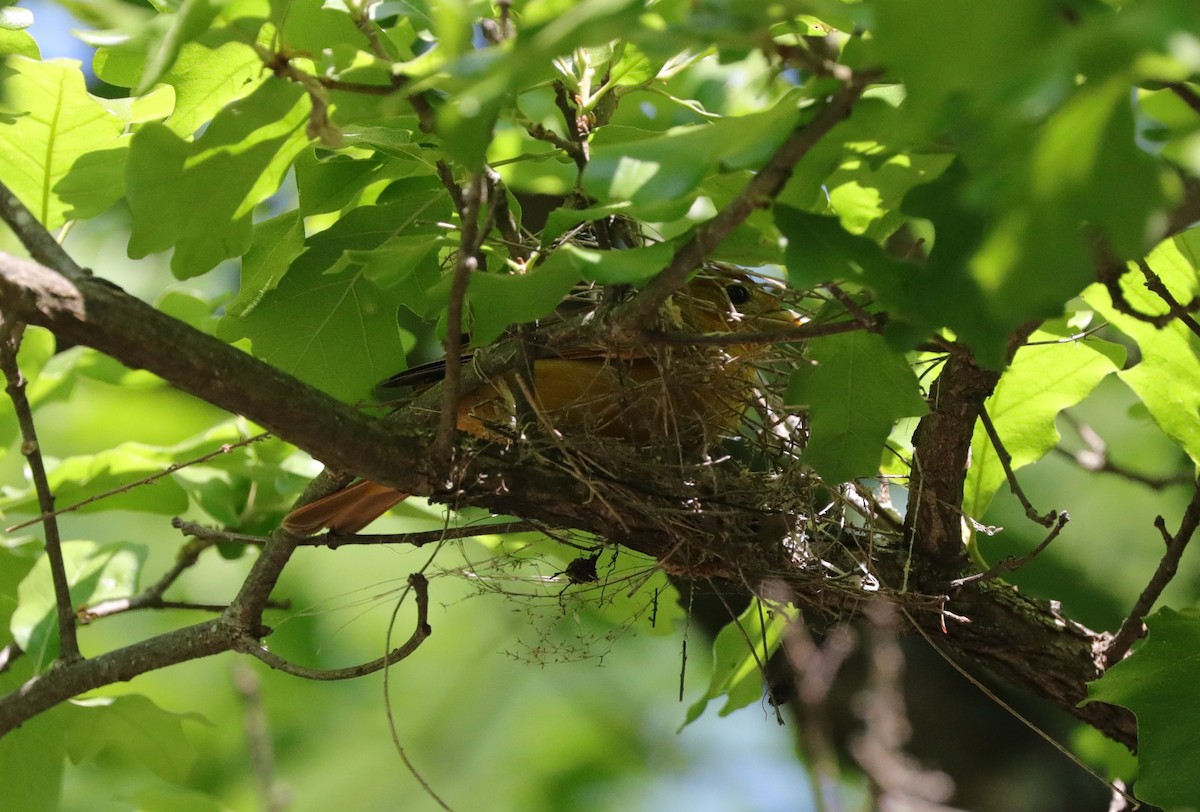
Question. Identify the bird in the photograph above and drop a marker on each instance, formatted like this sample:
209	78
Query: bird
690	395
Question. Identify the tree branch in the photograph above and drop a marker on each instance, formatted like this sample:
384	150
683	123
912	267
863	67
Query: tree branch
1133	627
420	588
629	319
10	341
121	665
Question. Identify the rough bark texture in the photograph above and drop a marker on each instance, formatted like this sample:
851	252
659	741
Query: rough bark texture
1026	642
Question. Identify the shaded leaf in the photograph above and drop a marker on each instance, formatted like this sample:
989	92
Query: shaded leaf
136	729
198	197
31	764
855	391
336	331
628	165
740	654
94	572
1158	684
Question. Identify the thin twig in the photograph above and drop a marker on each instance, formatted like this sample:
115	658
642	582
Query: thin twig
213	535
443	447
762	188
573	149
570	116
170	469
10	342
420	588
387	694
1015	562
1134	626
152	596
446	176
506	223
868	320
8	655
1006	463
1111	271
1179	311
360	12
333	541
1186	94
784	335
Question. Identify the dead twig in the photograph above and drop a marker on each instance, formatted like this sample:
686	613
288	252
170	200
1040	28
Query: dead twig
467	262
420	588
1134	626
1015	562
1005	458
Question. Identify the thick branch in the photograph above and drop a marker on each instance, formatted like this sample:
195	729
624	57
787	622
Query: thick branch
941	447
98	314
1022	640
71	679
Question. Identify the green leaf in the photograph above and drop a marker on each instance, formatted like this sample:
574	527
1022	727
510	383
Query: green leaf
80	477
1050	375
14	38
32	762
336	331
17	557
628	165
94	572
498	300
740	654
277	242
309	26
819	249
1166	376
612	267
855	391
65	154
206	79
198	197
37	348
170	799
134	728
1158	684
946	54
140	50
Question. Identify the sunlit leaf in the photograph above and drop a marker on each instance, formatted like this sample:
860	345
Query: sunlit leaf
1166	376
1051	374
64	151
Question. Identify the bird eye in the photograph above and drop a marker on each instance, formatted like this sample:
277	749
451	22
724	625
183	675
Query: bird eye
738	294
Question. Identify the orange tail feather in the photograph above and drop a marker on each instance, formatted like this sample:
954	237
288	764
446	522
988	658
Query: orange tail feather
344	512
